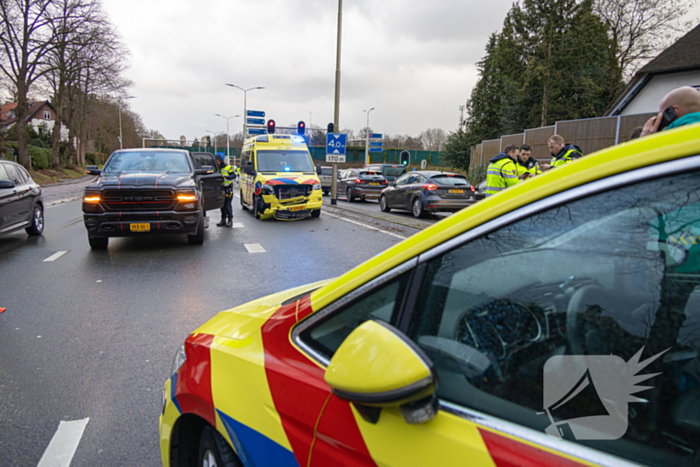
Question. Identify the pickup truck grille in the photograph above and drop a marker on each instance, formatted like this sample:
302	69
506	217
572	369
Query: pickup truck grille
138	200
292	191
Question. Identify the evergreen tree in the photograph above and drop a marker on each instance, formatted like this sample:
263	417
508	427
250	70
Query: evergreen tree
457	150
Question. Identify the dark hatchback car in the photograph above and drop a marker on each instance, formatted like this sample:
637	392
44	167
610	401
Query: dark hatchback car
390	171
151	192
361	183
21	202
427	192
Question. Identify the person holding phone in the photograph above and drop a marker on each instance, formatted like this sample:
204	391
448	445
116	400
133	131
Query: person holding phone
678	108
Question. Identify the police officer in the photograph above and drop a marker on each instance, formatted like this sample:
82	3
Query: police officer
526	164
229	175
562	153
502	171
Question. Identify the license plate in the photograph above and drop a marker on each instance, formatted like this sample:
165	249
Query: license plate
140	227
374	184
297	208
456	191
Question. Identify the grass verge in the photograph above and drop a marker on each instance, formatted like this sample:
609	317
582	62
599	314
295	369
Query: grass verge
49	176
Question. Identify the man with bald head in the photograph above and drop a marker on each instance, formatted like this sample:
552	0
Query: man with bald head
685	101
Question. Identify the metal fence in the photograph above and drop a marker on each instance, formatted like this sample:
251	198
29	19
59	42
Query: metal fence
591	135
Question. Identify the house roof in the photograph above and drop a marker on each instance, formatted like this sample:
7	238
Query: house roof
7	114
683	55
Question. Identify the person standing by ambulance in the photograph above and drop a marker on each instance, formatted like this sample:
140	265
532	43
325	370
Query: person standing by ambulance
502	171
229	176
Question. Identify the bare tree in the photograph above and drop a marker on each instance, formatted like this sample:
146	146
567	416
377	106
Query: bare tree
433	139
25	40
641	29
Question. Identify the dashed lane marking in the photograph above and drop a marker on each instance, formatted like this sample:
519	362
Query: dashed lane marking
61	449
55	256
254	248
366	226
237	225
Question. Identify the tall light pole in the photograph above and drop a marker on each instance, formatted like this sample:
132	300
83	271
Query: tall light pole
119	111
215	134
367	137
245	106
336	110
228	135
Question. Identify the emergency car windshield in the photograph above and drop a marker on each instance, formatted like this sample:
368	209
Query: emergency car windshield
147	161
284	161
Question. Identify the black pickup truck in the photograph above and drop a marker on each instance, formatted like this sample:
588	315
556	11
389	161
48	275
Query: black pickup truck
143	192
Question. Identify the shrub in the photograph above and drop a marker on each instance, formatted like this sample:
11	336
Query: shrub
41	157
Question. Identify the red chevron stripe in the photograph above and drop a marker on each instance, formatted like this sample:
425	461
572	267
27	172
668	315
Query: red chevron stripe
506	452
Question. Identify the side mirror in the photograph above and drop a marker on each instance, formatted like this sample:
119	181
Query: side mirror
6	184
393	183
93	170
249	170
204	170
378	366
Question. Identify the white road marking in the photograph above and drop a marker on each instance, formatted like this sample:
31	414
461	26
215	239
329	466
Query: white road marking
254	248
366	226
55	256
53	204
237	225
65	441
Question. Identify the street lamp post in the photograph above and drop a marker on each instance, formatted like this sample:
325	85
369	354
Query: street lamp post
367	137
245	106
336	107
215	135
119	111
228	135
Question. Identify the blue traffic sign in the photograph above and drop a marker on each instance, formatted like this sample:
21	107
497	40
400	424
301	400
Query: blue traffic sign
255	121
376	135
257	131
376	149
335	143
255	113
376	143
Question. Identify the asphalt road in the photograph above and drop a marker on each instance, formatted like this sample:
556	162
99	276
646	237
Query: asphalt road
373	206
92	334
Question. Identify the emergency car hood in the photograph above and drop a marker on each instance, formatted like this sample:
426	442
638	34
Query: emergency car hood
288	178
241	322
143	179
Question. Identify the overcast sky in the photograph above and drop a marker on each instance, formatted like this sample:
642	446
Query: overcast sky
414	62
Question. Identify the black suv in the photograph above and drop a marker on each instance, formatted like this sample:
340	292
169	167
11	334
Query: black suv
21	202
151	192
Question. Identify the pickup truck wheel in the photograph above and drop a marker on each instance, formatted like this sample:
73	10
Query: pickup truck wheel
240	197
316	213
197	238
98	243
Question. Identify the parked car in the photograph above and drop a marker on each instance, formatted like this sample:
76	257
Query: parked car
326	177
480	192
21	201
426	192
143	192
390	171
361	183
556	323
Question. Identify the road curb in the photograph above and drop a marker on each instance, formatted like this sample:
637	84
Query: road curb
70	182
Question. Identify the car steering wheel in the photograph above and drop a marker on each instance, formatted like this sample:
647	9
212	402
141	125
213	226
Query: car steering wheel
574	314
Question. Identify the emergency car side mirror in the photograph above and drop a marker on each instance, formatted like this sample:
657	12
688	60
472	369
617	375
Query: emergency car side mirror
249	170
378	367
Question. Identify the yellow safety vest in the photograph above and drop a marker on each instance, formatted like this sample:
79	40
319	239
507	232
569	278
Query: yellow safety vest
500	175
226	171
569	156
535	170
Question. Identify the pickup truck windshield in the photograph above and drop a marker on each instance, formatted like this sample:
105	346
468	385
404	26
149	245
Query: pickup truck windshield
147	161
284	161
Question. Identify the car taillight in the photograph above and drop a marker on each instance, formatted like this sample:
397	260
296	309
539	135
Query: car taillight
473	189
430	187
357	180
385	182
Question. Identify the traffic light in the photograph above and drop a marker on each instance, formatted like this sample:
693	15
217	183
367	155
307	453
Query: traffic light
330	127
270	127
301	128
405	157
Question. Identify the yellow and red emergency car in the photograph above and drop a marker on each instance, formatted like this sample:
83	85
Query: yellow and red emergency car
279	179
512	333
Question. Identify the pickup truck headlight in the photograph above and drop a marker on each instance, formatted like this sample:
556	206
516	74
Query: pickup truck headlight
187	196
180	358
317	186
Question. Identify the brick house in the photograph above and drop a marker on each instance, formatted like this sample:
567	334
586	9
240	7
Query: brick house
41	115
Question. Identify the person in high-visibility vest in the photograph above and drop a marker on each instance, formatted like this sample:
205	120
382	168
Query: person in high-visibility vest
526	164
229	176
502	171
562	153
